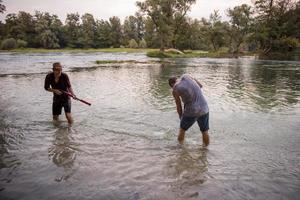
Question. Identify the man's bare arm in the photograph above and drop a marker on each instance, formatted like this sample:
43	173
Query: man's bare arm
71	91
178	103
56	91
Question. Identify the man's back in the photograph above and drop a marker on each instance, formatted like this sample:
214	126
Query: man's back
192	96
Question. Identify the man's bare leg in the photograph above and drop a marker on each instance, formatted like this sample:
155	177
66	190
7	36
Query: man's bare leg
205	138
181	135
69	118
55	118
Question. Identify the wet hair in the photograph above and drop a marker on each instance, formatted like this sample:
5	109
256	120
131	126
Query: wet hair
172	81
56	64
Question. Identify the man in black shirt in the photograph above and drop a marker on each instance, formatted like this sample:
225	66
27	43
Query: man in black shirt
57	82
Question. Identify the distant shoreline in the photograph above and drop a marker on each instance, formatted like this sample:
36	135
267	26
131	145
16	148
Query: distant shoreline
155	53
77	50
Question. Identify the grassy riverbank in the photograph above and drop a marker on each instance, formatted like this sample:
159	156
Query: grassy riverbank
69	50
195	54
101	62
150	52
155	53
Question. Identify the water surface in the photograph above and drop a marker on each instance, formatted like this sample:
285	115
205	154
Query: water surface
124	146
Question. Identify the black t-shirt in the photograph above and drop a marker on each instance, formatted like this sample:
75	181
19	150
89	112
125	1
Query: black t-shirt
62	84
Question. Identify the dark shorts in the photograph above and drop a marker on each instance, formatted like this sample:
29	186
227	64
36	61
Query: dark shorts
58	105
203	122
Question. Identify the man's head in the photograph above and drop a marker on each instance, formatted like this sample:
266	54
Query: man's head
57	68
172	81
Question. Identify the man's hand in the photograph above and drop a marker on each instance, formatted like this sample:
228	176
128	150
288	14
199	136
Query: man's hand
74	96
56	91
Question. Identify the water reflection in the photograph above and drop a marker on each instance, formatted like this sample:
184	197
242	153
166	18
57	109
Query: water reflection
189	169
264	85
63	151
126	135
275	85
159	88
236	81
10	138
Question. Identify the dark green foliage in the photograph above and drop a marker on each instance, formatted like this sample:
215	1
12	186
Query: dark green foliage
88	34
115	32
167	17
21	44
142	44
72	30
8	44
2	7
133	44
215	31
267	26
240	23
277	21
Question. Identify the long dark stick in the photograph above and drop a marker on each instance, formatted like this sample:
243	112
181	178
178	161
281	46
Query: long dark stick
71	95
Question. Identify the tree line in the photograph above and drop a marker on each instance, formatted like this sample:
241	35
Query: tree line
267	26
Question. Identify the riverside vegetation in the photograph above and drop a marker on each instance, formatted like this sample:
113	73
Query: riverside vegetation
267	28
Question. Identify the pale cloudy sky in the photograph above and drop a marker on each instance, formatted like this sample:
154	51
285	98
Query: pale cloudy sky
103	9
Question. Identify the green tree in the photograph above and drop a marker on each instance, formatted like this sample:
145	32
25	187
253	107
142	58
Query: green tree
140	25
49	29
26	26
274	23
19	26
166	15
214	30
116	31
130	29
11	26
133	28
72	29
292	17
191	36
49	40
2	7
103	31
88	31
240	21
2	31
151	35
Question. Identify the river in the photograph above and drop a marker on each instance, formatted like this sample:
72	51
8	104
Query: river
124	146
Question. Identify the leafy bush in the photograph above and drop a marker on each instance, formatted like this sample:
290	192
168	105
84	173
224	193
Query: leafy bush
133	44
143	44
21	44
156	54
9	43
285	44
49	40
223	50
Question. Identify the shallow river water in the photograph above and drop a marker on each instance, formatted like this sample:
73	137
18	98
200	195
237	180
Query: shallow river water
125	146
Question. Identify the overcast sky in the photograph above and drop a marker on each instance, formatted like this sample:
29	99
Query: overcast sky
103	9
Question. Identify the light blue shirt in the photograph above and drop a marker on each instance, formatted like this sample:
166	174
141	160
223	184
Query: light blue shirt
192	96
